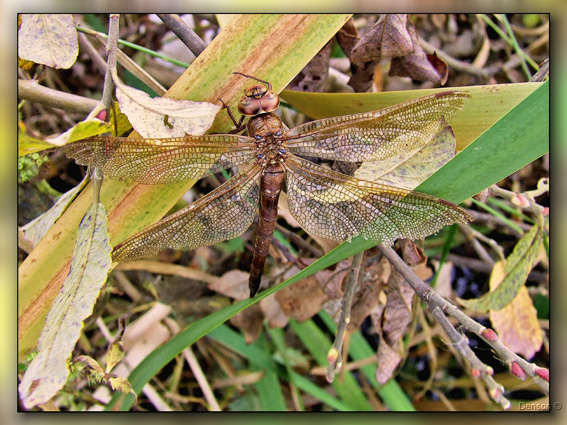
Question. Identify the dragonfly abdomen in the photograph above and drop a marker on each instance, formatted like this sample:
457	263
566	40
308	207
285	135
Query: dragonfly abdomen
270	188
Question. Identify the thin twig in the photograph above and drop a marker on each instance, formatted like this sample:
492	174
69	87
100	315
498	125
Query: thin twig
93	54
182	30
288	254
476	237
34	92
201	379
452	62
439	307
482	267
299	241
111	48
492	221
133	67
335	353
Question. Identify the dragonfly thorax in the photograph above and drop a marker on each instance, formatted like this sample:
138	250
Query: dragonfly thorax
266	130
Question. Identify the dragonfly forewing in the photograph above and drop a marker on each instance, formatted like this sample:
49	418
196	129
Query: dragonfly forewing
162	161
373	136
339	207
222	214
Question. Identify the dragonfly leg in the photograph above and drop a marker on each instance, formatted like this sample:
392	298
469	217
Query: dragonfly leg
238	125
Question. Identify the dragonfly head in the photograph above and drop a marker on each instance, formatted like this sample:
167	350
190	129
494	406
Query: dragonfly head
257	100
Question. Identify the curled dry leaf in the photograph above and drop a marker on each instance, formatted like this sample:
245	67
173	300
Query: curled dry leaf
398	311
273	312
391	323
418	65
312	77
388	38
347	37
305	298
388	361
161	117
395	37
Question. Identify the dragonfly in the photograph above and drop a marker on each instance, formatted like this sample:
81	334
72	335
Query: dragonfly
324	202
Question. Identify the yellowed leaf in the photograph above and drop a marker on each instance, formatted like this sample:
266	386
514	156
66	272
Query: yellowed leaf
92	364
80	131
518	265
516	324
28	144
120	384
114	354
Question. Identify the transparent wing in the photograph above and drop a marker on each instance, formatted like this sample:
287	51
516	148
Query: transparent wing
373	136
222	214
162	161
339	207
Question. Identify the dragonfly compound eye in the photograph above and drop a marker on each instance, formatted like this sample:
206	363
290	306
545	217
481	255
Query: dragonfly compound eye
249	106
270	101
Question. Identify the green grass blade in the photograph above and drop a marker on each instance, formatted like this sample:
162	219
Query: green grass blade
268	388
318	344
520	137
262	359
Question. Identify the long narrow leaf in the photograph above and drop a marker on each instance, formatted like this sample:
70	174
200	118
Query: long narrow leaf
48	371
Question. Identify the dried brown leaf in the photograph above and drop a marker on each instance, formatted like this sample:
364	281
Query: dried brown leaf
251	321
273	312
312	77
302	300
347	37
388	361
233	284
389	37
398	311
418	65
